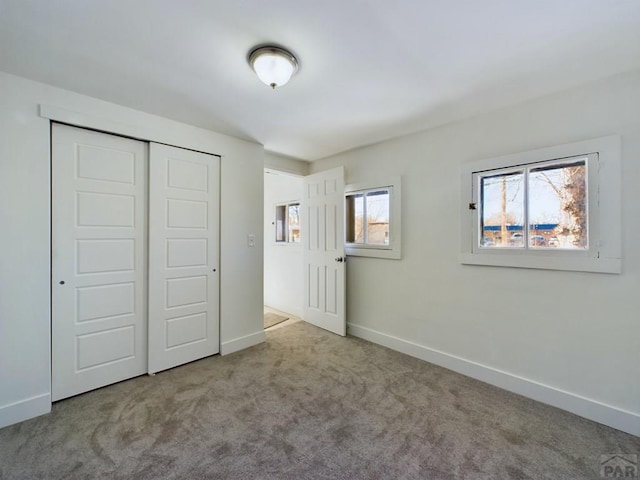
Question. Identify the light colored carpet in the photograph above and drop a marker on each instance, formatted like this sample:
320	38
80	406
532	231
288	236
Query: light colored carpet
307	404
271	319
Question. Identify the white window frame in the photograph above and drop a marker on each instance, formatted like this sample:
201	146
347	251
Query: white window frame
394	249
287	240
604	210
591	162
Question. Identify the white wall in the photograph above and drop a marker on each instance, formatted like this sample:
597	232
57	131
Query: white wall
567	338
280	163
283	267
25	359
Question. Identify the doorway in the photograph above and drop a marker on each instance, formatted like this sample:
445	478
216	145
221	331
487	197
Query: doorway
283	255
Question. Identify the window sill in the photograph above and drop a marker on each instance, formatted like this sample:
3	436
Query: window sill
375	252
551	262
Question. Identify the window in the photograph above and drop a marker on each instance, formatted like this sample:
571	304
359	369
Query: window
288	223
554	208
368	217
372	219
541	205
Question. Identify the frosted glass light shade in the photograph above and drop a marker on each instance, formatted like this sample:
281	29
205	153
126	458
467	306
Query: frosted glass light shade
273	65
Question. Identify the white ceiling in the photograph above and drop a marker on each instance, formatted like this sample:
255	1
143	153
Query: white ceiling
370	69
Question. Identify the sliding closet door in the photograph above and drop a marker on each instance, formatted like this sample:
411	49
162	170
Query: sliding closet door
183	256
99	298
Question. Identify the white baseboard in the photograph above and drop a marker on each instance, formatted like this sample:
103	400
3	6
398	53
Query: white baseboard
25	409
591	409
241	343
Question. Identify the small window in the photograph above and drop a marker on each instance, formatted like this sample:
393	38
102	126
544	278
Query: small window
555	208
372	220
288	223
543	205
368	217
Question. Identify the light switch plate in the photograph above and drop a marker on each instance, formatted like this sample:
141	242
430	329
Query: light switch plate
251	240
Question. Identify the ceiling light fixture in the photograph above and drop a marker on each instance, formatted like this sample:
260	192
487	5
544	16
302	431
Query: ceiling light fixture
273	65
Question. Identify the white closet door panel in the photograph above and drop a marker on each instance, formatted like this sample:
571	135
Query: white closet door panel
105	255
183	256
99	268
187	252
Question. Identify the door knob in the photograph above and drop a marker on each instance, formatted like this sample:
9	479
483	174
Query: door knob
340	259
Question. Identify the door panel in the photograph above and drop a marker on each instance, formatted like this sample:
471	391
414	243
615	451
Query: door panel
187	252
104	301
98	260
183	256
323	238
96	256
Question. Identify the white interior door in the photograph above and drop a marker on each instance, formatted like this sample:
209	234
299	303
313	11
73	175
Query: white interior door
98	260
183	256
324	259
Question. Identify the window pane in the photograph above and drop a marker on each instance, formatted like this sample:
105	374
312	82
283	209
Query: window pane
558	206
294	223
280	223
355	212
502	215
378	217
